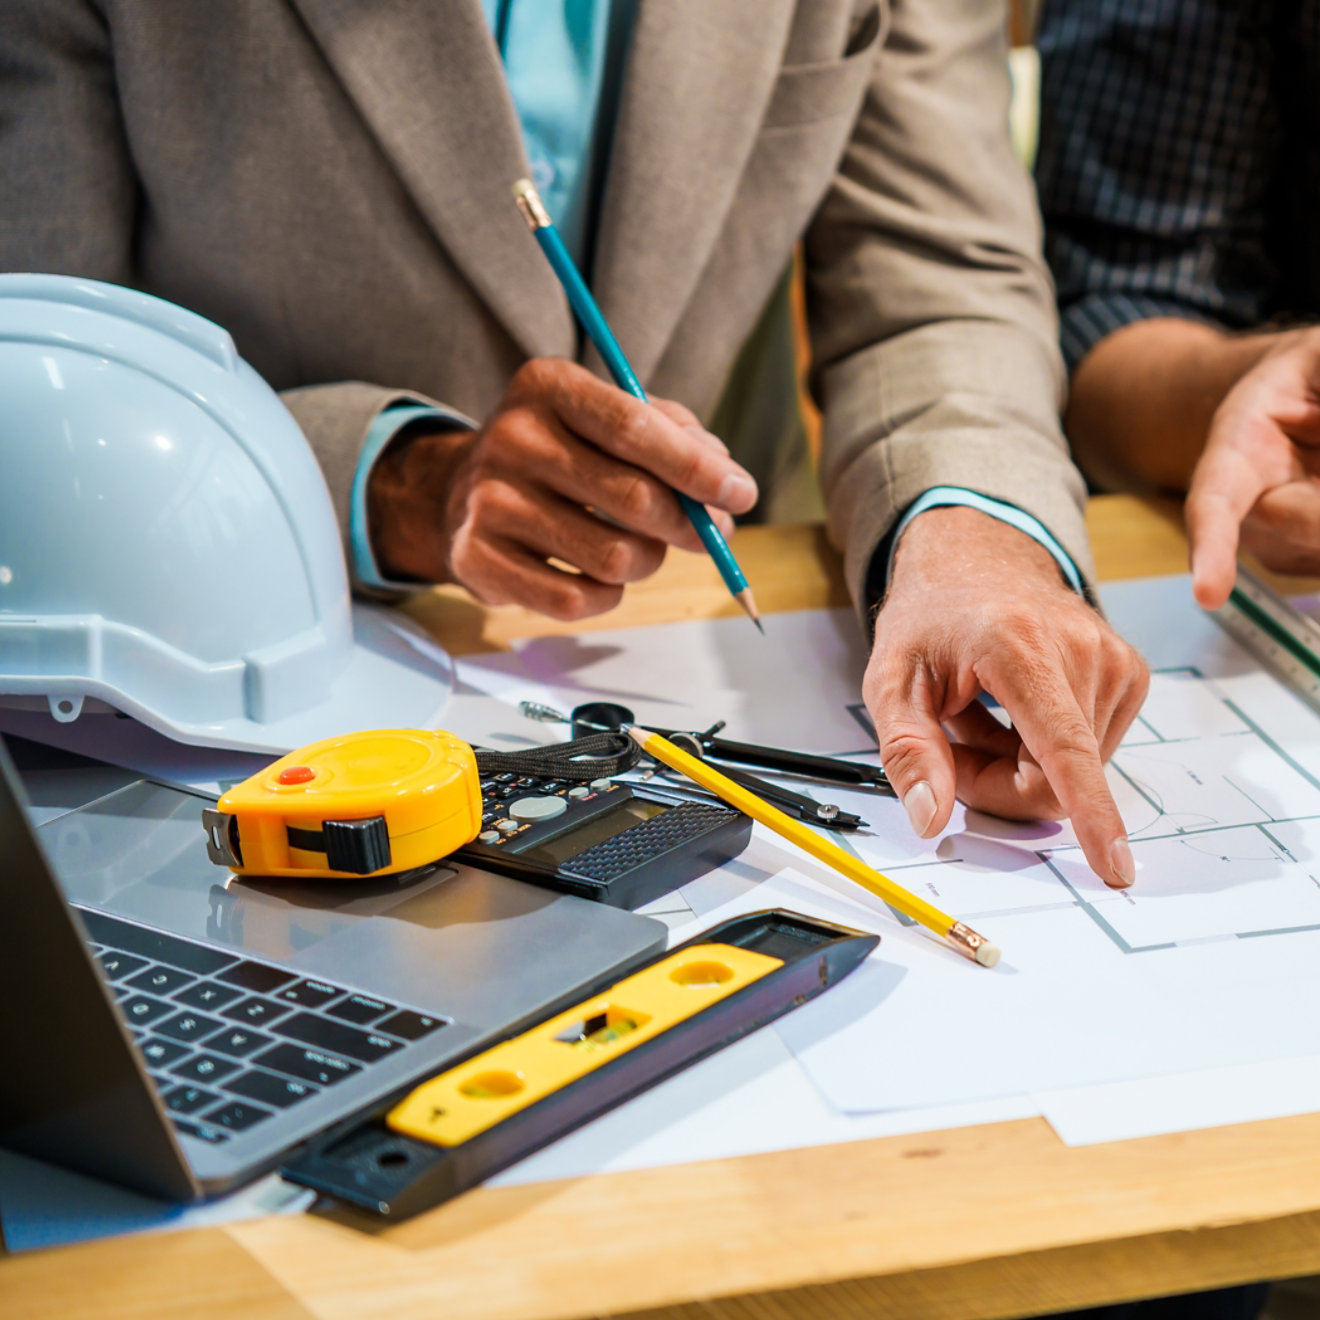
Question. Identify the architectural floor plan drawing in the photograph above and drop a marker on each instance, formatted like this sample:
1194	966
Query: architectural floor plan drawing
1224	825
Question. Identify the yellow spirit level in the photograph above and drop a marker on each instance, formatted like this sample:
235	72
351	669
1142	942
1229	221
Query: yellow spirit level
480	1116
360	804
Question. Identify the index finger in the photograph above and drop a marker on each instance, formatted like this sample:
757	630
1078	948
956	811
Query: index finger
1224	488
638	433
1057	732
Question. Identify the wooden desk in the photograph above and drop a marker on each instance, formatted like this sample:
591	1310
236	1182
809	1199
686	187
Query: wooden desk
978	1222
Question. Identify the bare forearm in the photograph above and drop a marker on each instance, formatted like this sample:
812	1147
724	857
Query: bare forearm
1143	398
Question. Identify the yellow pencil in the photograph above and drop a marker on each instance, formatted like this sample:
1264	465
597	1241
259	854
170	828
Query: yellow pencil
957	936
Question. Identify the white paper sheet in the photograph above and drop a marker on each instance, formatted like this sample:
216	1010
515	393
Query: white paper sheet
1213	1097
1185	972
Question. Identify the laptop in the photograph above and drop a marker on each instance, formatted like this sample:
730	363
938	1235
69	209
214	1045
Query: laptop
174	1029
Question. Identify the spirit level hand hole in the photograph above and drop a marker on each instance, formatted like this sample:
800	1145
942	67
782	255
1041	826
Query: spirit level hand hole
602	1028
389	1159
696	974
493	1085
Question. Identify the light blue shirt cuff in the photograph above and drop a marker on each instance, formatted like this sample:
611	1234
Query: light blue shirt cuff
944	496
387	425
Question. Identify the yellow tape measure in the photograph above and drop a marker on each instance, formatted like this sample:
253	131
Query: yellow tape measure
360	804
465	1101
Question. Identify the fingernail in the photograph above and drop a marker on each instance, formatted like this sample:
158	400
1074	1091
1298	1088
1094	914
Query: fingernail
708	438
919	803
1121	865
736	491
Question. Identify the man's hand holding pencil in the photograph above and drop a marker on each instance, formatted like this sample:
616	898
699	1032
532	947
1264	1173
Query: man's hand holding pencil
565	494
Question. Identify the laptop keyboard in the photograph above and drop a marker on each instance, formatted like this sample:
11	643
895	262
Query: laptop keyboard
229	1041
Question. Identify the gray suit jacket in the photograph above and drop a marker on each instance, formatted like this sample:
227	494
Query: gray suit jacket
329	179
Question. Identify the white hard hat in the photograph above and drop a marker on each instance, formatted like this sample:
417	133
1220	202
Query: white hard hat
167	541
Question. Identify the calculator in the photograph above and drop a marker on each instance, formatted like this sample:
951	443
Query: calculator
618	843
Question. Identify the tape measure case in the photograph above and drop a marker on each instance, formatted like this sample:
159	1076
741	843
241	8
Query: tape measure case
359	804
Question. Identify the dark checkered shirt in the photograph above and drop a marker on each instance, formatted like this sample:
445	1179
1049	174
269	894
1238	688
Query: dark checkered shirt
1179	164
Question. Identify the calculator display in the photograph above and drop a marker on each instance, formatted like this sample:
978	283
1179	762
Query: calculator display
578	838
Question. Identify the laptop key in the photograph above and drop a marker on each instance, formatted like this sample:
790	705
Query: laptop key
310	994
410	1025
160	980
281	1092
255	1010
238	1041
154	945
337	1036
256	977
237	1115
208	995
202	1131
361	1009
188	1025
205	1068
138	1009
188	1099
161	1053
309	1065
115	965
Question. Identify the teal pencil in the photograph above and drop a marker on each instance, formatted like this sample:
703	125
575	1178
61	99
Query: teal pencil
600	334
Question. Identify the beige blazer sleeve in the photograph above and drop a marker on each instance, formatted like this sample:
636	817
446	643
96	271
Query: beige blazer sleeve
932	317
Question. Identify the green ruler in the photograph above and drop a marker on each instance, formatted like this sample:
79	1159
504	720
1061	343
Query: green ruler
1275	632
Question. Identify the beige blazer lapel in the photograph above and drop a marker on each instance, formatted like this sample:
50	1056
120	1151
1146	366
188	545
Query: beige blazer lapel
427	78
696	86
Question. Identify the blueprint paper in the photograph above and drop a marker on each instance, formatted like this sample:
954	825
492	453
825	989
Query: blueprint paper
796	687
1192	969
1152	1106
748	1099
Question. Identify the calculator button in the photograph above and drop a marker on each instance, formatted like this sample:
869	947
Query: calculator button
506	826
488	836
538	808
600	785
579	792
